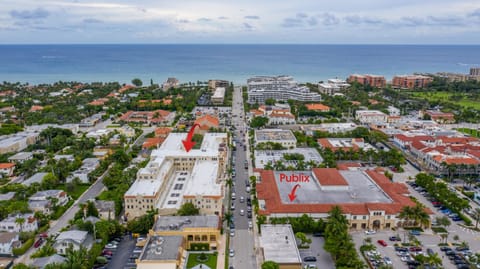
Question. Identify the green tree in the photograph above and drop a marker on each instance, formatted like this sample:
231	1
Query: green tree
20	221
188	209
259	122
305	241
137	82
76	259
476	216
270	265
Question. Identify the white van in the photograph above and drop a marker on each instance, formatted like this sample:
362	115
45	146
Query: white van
233	196
247	189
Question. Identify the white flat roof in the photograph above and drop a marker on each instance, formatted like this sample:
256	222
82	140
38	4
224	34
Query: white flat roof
203	180
172	146
279	244
148	187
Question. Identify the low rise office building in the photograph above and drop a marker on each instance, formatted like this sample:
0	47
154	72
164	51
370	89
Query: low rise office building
370	116
284	137
279	245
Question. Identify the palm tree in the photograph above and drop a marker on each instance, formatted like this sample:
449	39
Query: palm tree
75	259
20	221
434	260
476	216
228	217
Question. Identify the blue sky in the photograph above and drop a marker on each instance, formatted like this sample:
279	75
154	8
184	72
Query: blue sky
246	21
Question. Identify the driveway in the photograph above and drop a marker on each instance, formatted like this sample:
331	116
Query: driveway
324	259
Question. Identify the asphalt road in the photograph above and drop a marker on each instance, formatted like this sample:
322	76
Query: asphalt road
243	241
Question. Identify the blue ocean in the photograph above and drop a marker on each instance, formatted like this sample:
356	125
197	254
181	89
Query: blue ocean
37	64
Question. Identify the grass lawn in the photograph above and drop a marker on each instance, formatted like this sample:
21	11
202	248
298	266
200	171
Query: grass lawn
211	262
439	230
471	132
446	97
76	192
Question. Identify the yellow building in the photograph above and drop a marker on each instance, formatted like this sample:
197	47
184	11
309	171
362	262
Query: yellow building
195	230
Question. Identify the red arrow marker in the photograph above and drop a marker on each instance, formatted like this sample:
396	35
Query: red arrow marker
292	195
188	143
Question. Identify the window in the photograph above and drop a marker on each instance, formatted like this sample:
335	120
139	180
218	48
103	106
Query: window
354	217
364	217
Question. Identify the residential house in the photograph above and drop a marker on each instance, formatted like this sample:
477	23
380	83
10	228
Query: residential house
438	116
102	152
333	86
8	241
10	223
36	178
88	166
41	263
106	209
7	169
152	142
43	200
68	158
20	157
7	196
35	108
74	239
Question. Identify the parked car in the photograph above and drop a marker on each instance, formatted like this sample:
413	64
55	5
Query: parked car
382	242
231	253
368	232
38	243
415	232
111	246
394	238
387	260
242	212
310	259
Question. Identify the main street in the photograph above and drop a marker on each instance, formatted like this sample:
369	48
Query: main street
243	241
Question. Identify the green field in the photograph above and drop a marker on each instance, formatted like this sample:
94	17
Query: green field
447	97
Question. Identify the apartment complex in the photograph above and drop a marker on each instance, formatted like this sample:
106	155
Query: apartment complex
215	83
149	117
475	71
284	137
437	116
174	176
280	88
333	86
411	81
372	80
368	199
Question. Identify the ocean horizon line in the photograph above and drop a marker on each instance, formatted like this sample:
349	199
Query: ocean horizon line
236	44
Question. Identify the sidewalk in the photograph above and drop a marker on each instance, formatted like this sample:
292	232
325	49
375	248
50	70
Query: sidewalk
221	252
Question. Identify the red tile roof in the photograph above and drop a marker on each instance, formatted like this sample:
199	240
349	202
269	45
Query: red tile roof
318	107
6	165
206	122
329	177
153	142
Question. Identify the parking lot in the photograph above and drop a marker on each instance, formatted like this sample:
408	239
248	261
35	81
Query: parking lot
324	259
122	254
428	240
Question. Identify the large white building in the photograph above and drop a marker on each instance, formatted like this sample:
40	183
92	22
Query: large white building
332	86
370	116
284	137
174	176
218	96
279	88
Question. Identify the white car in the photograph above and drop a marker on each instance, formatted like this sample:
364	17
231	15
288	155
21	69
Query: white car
111	246
232	233
242	212
370	232
387	260
250	224
231	253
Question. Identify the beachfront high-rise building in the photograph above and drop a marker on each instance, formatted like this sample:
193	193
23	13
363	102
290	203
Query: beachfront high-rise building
279	88
332	86
475	71
411	81
372	80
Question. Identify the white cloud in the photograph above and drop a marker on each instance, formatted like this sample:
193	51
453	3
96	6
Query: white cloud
269	20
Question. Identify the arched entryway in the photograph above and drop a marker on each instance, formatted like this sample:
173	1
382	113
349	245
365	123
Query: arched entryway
376	224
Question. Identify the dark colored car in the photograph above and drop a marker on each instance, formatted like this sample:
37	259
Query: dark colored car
394	238
310	259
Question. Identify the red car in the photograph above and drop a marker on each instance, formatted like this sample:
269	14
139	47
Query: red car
38	243
382	242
